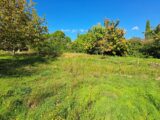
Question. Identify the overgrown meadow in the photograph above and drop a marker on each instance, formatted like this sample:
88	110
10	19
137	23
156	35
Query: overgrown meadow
79	87
101	75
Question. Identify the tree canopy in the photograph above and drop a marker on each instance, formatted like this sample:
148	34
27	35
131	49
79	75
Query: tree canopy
107	39
19	24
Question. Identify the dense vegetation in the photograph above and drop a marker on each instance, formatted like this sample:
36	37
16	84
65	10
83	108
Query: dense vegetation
54	44
110	40
22	29
20	26
101	75
107	40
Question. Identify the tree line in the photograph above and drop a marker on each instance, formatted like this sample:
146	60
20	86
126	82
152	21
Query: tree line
109	39
22	29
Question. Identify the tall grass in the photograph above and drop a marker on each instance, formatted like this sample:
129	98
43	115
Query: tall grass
79	87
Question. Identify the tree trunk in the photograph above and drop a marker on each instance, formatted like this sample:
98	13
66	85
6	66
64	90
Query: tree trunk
13	52
18	51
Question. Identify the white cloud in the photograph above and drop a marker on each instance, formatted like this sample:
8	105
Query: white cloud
135	28
74	30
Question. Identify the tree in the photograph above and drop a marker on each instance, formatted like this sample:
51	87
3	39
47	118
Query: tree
156	32
19	25
148	30
60	37
108	39
114	42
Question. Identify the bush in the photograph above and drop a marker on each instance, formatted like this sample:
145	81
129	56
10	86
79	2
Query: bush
85	43
49	48
151	48
135	45
78	46
62	40
54	45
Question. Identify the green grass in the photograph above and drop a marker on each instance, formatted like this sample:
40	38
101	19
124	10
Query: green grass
79	87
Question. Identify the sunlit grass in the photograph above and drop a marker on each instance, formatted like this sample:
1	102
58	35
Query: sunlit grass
79	86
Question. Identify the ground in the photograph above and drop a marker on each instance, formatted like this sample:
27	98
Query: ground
79	87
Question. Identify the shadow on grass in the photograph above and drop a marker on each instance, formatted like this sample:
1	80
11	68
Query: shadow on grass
20	65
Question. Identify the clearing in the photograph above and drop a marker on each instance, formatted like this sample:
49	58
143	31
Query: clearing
79	86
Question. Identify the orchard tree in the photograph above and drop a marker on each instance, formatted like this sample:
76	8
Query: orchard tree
19	25
108	39
113	42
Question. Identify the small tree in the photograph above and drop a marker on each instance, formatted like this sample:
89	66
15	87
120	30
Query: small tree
108	39
114	42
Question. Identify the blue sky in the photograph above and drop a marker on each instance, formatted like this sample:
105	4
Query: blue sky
77	16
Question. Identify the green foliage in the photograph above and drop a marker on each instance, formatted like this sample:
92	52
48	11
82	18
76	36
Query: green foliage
20	26
87	42
149	47
60	38
135	45
98	33
49	48
148	31
79	44
107	40
152	47
156	32
114	42
54	45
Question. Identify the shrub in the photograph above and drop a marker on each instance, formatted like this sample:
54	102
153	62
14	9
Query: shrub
49	48
78	46
85	43
60	38
135	45
151	48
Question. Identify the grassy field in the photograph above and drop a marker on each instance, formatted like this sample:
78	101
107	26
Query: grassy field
79	87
